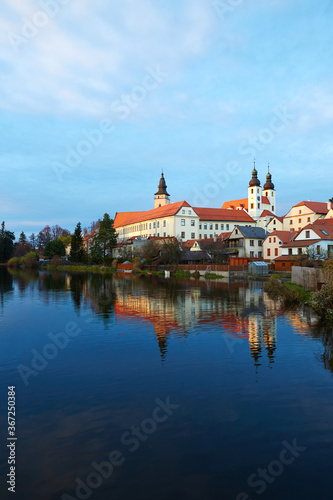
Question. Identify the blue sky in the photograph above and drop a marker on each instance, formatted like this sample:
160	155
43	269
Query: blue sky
98	97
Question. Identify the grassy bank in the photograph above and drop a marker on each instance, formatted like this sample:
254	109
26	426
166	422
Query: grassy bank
289	293
82	269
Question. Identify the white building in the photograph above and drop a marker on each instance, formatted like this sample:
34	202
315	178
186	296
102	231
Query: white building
248	241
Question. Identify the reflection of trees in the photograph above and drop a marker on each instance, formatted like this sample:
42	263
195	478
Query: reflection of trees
325	335
77	283
102	296
24	278
6	283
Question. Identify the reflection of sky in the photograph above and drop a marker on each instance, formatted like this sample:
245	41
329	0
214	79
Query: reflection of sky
233	415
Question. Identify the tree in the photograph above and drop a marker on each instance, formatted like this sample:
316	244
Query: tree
6	243
54	247
22	247
105	236
77	251
57	231
65	239
44	237
170	251
96	253
33	241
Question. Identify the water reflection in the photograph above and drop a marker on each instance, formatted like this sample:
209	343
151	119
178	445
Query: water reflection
239	311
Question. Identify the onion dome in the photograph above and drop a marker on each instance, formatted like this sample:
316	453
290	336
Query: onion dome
162	186
269	184
254	181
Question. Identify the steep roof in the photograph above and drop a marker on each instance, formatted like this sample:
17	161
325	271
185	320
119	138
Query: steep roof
267	213
126	218
221	214
243	202
284	236
252	232
324	232
299	243
316	206
280	219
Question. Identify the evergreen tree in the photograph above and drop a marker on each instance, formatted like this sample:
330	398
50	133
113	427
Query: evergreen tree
77	251
22	247
55	247
33	241
105	236
96	253
6	243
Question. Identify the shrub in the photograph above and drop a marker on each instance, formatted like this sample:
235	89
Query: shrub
29	260
56	261
14	262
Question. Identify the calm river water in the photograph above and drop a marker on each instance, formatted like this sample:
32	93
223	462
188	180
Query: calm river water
144	388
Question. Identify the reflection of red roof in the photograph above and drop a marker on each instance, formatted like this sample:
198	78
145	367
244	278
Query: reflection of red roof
316	206
126	218
220	214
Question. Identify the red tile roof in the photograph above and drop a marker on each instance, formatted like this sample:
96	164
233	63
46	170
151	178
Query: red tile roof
292	258
280	219
318	229
316	206
126	218
243	202
267	213
284	236
299	243
220	214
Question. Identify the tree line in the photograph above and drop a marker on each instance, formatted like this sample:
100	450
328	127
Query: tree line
52	241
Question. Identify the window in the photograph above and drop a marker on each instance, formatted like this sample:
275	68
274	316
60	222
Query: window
258	190
299	221
199	236
216	227
300	211
259	254
266	194
283	264
200	226
252	191
183	234
205	226
192	223
251	254
274	222
318	249
273	208
274	239
205	236
150	225
272	194
252	205
192	236
158	235
290	251
210	226
182	222
227	227
222	226
189	212
268	252
309	219
299	250
258	205
164	234
158	223
276	251
154	224
183	211
211	236
236	231
291	229
329	249
260	243
164	223
307	234
270	240
290	222
251	243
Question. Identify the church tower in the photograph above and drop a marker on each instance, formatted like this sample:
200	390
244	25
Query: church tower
254	196
162	197
269	191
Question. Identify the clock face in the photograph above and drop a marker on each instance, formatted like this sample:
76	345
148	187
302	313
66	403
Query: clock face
258	198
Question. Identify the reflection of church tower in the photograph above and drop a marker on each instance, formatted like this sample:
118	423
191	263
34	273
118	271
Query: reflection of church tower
161	336
254	195
162	197
269	191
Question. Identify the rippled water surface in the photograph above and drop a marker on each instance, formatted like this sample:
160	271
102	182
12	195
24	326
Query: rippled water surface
145	388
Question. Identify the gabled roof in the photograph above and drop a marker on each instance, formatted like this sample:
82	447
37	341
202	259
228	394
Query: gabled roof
324	232
316	206
223	236
267	213
280	219
252	232
243	202
220	214
189	243
299	243
284	236
126	218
